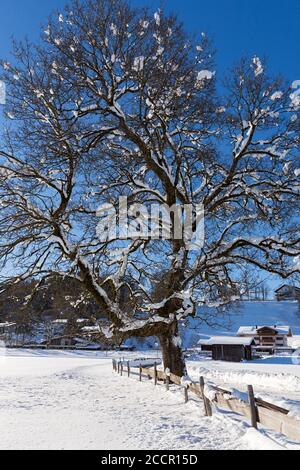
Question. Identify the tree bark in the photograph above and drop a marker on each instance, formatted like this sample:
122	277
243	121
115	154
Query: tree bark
172	354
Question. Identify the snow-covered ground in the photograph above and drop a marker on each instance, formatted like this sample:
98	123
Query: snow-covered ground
275	379
68	400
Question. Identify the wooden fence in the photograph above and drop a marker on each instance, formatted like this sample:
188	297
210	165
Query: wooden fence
255	410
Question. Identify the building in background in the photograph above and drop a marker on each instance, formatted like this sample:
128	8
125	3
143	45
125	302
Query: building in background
287	292
229	348
268	339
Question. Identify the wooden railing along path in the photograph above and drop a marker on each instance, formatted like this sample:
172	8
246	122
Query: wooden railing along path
257	411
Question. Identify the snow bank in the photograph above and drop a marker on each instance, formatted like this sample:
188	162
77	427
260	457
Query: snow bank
259	441
281	382
291	405
241	396
186	381
144	362
210	392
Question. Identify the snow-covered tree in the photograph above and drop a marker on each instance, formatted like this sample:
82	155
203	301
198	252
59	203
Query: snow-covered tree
117	102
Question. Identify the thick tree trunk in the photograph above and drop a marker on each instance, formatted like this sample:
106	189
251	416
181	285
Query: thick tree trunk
172	354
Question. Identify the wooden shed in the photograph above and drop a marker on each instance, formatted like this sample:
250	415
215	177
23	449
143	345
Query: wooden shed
231	349
63	341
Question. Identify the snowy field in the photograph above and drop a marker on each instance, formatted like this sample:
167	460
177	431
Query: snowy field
68	400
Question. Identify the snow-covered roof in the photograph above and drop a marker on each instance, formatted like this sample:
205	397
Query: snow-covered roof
6	325
53	338
224	340
91	328
286	286
64	321
252	330
84	341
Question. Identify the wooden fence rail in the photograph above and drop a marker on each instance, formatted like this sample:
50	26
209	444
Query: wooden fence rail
255	410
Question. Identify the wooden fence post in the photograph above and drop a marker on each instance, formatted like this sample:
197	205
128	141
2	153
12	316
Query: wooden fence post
209	408
140	372
128	368
121	368
186	394
207	405
167	383
155	373
201	381
118	367
253	408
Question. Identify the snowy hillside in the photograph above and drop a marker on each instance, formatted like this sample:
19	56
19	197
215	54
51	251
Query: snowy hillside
243	314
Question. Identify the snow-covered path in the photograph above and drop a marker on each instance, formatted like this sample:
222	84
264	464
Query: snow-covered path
79	403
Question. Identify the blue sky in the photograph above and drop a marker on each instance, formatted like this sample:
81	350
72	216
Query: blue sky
238	27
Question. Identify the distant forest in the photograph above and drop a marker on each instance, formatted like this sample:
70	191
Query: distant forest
30	302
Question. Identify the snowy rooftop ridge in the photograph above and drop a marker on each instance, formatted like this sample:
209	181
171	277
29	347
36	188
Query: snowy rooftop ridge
224	340
252	330
64	321
91	328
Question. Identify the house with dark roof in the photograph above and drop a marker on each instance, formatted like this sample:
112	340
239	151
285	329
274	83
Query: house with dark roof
7	327
70	342
287	292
